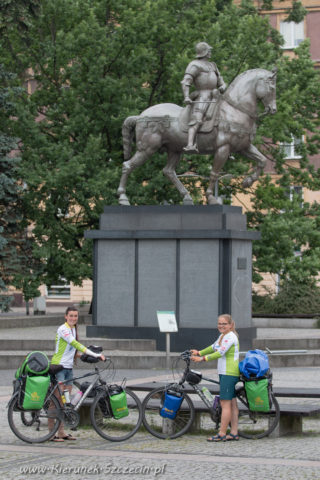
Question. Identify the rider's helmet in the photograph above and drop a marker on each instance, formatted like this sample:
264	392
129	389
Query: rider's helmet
202	48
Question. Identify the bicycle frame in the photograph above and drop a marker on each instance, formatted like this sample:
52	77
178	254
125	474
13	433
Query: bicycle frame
186	357
97	381
209	404
205	400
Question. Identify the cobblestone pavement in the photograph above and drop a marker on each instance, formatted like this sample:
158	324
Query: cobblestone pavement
145	457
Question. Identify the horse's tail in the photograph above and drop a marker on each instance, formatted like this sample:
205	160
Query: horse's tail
127	135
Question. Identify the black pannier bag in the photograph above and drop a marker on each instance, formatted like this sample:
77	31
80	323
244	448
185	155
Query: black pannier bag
193	377
84	387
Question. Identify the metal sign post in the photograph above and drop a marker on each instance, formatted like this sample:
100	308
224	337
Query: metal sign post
167	324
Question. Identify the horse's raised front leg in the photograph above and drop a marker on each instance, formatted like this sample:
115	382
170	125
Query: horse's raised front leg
220	158
170	172
253	153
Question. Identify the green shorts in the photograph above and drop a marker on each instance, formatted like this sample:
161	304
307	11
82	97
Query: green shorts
227	386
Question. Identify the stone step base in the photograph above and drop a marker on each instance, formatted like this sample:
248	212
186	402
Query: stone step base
155	359
107	344
21	321
121	359
287	343
268	322
39	320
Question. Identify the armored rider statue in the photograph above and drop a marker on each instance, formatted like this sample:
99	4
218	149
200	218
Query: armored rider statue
204	76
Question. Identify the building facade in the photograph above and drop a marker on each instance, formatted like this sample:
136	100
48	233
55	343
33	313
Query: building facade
293	34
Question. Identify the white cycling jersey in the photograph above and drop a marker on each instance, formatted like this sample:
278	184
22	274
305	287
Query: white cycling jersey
227	354
66	345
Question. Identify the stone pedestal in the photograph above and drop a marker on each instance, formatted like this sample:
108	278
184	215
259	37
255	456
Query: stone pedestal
194	260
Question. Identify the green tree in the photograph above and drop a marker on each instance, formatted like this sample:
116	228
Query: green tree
16	263
289	227
290	244
8	194
97	61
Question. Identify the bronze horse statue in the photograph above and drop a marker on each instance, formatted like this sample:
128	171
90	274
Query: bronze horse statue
233	128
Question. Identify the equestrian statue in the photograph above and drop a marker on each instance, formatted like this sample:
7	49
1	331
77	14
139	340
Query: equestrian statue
216	120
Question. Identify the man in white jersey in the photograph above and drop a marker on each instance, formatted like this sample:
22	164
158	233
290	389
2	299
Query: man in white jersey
226	350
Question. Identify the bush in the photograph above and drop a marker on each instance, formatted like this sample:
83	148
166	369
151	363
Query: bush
292	299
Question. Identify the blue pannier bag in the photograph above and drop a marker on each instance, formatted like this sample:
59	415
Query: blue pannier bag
255	364
172	403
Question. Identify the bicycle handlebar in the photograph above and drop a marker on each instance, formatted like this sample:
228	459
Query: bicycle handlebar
186	355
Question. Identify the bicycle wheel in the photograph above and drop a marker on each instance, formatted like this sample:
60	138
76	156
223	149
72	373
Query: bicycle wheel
164	427
109	428
256	425
32	425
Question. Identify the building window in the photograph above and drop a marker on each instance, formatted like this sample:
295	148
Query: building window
63	214
291	192
61	290
293	33
295	190
290	150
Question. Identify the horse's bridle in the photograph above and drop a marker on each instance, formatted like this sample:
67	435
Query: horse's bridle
242	109
227	98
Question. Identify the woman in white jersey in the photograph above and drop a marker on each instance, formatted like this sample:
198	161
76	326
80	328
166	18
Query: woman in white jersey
67	348
226	350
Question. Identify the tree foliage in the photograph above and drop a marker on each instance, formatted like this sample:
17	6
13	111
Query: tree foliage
95	62
16	267
290	244
293	298
295	13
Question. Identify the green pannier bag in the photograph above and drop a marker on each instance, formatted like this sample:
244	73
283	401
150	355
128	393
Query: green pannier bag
32	381
35	363
118	401
257	390
34	392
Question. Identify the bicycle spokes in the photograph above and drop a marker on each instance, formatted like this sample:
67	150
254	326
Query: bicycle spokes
257	424
111	428
34	426
165	427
